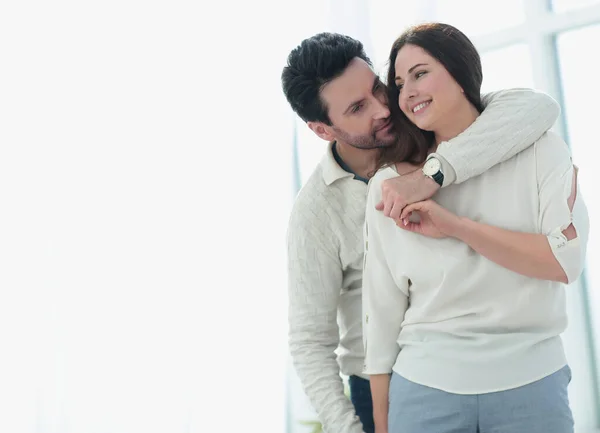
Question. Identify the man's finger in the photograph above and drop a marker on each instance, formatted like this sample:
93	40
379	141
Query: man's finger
387	208
379	206
396	209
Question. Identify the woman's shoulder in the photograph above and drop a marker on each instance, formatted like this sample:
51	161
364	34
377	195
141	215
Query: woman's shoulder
551	149
382	174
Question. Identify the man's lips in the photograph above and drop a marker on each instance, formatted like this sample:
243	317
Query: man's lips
384	126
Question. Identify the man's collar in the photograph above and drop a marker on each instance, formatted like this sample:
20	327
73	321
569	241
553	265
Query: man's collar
331	169
335	168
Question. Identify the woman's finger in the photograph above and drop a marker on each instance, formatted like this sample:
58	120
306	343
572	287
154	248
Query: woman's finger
412	227
408	209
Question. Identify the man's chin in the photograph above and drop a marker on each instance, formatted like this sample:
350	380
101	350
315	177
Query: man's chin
387	141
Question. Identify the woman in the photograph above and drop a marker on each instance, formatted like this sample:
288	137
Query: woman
464	304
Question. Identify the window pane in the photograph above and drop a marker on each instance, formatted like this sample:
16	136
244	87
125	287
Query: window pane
476	17
568	5
581	91
507	67
388	18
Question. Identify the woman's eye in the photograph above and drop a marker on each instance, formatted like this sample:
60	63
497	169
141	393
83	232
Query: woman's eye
420	74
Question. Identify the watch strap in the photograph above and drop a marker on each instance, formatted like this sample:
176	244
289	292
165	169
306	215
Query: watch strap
438	178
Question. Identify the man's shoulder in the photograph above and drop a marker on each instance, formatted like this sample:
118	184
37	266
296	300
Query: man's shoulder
312	207
314	194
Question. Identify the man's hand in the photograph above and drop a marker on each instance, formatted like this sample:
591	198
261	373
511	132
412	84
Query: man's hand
398	192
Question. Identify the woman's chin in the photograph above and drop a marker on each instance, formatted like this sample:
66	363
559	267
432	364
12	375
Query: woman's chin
422	121
423	124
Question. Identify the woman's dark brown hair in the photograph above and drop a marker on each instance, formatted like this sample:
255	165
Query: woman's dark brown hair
459	56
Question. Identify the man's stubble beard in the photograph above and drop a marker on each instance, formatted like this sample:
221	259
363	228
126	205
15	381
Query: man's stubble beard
365	142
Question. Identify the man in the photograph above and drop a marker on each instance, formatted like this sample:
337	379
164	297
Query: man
330	84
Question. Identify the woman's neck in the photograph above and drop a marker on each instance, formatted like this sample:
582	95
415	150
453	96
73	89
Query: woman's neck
456	124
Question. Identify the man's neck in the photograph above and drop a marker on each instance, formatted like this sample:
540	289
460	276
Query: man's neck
360	161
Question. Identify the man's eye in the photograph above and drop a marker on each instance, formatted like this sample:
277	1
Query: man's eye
357	108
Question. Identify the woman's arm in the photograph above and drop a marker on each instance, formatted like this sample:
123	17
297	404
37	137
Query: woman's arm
380	390
557	254
525	253
533	255
385	300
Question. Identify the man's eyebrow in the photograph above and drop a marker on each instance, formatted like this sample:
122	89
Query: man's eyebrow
376	82
353	104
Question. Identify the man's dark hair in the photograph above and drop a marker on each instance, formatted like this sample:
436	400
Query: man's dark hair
314	63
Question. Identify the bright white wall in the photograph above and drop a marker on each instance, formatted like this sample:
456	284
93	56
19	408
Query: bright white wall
145	155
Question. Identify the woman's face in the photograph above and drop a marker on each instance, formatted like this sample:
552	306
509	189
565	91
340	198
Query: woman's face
429	95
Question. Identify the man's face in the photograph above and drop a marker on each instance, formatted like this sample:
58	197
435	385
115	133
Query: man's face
357	107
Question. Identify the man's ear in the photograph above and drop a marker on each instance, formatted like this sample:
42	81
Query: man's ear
322	130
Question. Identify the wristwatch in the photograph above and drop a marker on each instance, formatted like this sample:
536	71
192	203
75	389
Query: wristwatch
433	170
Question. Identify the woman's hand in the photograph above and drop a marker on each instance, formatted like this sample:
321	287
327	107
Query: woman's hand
435	221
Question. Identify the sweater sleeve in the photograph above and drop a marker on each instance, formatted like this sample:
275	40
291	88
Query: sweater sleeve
555	181
315	280
385	299
512	121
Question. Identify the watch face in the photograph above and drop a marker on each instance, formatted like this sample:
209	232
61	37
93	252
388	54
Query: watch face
432	166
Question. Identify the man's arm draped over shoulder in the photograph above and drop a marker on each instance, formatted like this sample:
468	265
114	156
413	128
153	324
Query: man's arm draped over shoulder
512	121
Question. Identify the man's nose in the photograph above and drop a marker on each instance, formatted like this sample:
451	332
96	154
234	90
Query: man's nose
382	111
